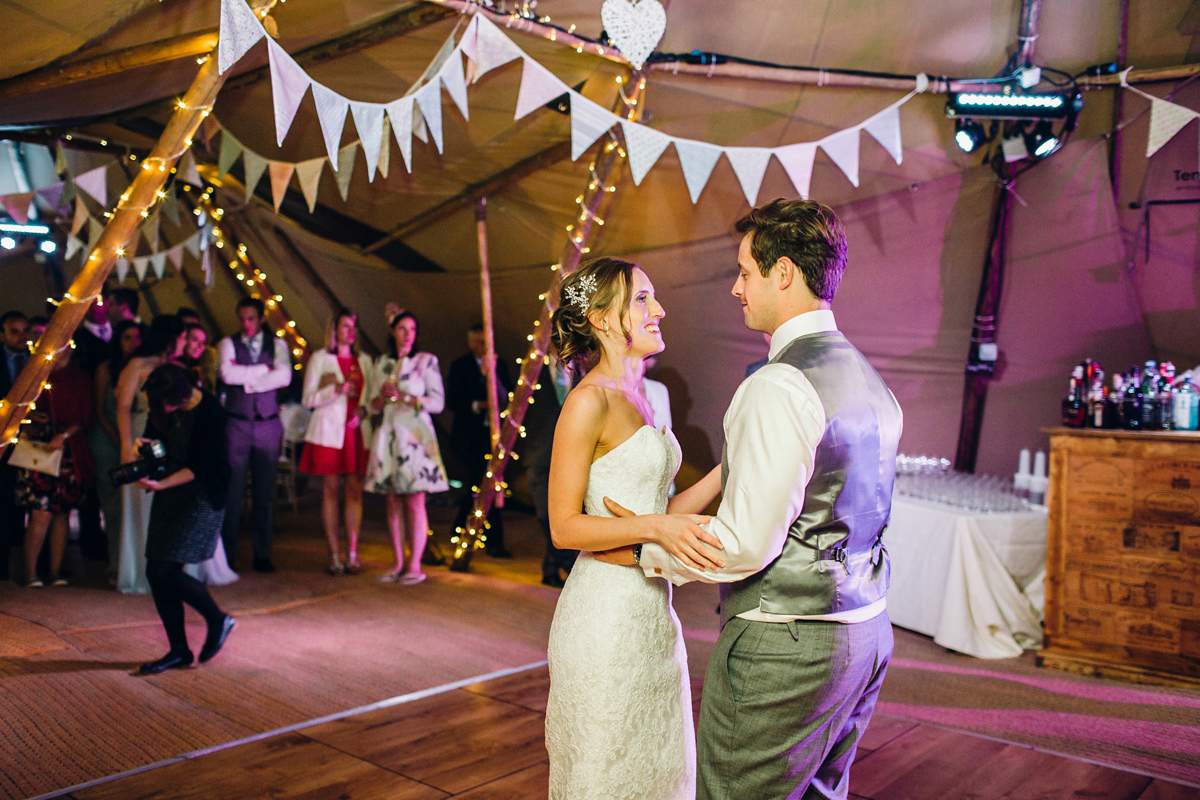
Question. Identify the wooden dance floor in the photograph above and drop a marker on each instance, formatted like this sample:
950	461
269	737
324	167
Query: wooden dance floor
483	741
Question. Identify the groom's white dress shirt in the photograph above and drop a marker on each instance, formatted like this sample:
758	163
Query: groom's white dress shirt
772	429
255	377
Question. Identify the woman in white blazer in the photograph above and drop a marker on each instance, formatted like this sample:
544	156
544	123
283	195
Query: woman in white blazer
404	462
334	387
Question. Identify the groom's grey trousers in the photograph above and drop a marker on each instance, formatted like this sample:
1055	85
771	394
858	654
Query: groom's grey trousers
776	695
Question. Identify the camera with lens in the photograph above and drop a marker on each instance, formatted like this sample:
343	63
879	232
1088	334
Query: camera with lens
152	465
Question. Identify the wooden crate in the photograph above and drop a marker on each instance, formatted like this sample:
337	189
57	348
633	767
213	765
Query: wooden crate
1123	555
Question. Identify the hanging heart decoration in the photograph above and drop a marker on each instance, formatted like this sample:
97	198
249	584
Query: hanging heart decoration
634	27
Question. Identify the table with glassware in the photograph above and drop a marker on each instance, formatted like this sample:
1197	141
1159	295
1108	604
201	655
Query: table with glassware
968	562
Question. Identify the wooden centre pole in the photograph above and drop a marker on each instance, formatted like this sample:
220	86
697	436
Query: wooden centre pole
489	333
122	226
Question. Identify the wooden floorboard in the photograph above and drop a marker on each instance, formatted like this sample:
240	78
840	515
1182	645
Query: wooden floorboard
485	742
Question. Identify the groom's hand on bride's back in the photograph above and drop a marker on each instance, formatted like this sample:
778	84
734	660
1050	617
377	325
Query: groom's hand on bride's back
680	535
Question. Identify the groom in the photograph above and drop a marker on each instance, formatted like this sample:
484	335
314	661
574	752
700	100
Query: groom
807	472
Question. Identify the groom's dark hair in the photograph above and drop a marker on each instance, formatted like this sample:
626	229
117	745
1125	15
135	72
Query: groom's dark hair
805	231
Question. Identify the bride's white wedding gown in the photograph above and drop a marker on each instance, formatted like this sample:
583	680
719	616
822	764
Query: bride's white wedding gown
619	717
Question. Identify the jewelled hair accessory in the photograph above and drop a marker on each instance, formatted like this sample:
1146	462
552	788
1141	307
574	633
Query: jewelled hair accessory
580	294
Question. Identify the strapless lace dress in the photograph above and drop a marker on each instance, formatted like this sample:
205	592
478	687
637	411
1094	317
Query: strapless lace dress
619	716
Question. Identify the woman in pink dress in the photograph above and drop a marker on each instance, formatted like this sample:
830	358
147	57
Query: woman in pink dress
334	442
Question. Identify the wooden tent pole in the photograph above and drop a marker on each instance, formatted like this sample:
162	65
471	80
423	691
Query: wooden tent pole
489	331
122	226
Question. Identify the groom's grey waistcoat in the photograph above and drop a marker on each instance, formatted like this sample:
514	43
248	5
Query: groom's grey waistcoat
833	559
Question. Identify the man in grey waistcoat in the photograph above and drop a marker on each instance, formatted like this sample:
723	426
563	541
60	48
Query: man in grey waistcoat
807	472
254	366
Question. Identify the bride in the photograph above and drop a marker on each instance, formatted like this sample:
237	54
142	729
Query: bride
618	720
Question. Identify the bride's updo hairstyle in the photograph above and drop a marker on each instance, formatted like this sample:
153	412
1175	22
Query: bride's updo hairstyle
594	287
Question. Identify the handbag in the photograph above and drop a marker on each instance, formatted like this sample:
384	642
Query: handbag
31	455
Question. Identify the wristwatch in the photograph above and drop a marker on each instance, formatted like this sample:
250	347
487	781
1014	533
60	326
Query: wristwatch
637	553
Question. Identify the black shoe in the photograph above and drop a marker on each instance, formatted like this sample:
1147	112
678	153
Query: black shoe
497	552
212	644
169	661
553	581
263	565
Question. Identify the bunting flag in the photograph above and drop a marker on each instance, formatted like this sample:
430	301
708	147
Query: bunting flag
94	231
1166	120
81	217
400	115
51	196
60	161
281	174
797	160
192	245
187	171
697	160
368	121
455	83
170	207
429	100
492	47
158	262
842	149
346	168
231	148
749	164
211	128
240	30
331	113
645	145
74	245
589	121
309	175
140	265
289	82
538	87
150	230
467	43
885	128
95	183
175	254
18	205
122	267
254	166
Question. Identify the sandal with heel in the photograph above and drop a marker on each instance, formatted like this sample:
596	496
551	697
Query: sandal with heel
335	565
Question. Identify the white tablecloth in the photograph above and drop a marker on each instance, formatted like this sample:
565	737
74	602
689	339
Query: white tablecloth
974	582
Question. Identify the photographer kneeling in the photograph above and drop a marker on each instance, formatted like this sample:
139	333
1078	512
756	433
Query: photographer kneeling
188	507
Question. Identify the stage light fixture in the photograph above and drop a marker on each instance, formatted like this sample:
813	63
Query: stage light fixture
8	242
1014	105
1041	141
969	135
13	227
48	246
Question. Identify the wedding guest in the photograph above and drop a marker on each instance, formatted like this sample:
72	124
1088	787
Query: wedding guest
122	303
164	342
14	325
195	358
334	439
103	437
255	365
470	433
185	519
64	411
404	462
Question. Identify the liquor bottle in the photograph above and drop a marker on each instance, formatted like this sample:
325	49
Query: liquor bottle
1150	413
1112	404
1074	408
1095	398
1186	407
1166	399
1131	401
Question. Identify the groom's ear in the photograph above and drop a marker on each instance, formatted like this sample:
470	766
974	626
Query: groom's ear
785	272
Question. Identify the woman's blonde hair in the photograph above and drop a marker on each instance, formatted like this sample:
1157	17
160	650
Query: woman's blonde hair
595	286
332	326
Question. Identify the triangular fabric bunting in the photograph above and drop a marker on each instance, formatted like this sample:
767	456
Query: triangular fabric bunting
492	47
885	127
331	112
697	160
429	100
240	30
309	175
51	195
211	128
289	82
368	120
400	115
158	262
645	145
346	168
467	42
192	244
81	217
175	254
385	148
60	161
455	83
95	183
122	267
95	229
749	164
589	121
18	206
281	173
140	265
419	128
231	148
170	207
1166	120
150	230
255	165
797	160
187	171
73	246
842	149
538	87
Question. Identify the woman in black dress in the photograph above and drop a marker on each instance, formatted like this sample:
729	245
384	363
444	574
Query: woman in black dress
189	505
